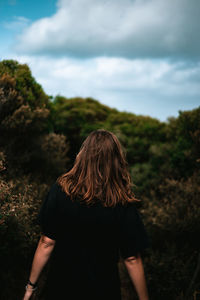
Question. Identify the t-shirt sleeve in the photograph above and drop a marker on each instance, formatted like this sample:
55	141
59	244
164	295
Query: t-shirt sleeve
133	238
47	217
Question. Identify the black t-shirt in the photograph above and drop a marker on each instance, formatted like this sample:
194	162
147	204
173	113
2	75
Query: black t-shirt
89	243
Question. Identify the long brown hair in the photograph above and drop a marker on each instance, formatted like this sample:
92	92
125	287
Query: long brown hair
100	172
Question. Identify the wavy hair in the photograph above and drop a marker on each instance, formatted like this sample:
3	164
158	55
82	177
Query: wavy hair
100	172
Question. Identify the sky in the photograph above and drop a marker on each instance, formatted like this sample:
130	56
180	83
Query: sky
140	56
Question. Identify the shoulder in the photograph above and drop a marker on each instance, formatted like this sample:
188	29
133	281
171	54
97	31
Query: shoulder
129	206
54	193
55	188
57	193
126	211
130	213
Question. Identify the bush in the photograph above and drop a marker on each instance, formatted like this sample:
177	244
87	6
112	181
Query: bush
172	219
19	206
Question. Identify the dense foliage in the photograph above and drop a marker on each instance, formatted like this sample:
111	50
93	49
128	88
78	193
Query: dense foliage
39	138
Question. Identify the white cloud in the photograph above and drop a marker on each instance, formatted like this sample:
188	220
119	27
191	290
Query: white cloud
114	78
158	88
119	28
17	23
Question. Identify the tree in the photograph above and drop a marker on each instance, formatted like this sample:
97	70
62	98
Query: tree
24	125
76	118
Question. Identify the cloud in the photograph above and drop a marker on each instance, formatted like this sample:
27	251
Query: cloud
119	28
120	82
18	23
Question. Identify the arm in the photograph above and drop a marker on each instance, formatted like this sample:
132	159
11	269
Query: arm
42	255
135	269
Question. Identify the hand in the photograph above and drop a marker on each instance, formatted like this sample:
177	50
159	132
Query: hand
28	293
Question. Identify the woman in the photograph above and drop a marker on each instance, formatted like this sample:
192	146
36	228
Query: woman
89	221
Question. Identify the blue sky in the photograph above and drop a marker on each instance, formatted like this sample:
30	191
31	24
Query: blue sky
141	56
32	10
